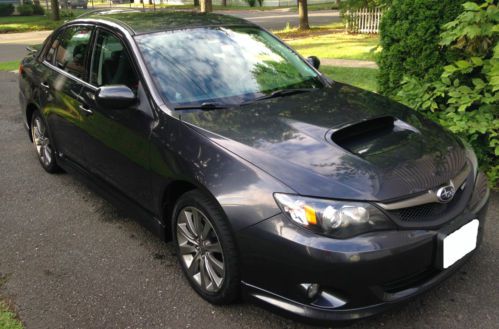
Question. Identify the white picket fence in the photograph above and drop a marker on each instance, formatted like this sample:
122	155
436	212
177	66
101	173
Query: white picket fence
365	20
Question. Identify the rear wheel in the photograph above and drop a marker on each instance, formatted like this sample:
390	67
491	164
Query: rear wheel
43	146
206	248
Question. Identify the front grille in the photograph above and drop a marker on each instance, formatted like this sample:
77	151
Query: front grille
433	215
426	212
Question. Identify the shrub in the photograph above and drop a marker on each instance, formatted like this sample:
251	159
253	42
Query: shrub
25	10
6	9
260	2
66	13
38	10
410	32
465	97
251	3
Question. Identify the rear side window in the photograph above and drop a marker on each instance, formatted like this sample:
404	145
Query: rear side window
72	50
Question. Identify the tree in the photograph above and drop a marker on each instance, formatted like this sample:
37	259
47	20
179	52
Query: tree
303	13
55	10
206	6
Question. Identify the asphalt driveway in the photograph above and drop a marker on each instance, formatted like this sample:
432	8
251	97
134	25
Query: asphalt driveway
71	260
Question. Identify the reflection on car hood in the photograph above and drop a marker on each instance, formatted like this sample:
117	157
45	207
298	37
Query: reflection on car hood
339	142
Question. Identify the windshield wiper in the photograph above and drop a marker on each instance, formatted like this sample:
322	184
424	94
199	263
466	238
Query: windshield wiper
202	106
280	93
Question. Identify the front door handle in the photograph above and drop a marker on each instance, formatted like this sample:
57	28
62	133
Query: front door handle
86	109
45	85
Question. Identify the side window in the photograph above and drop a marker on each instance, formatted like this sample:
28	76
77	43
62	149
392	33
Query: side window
49	56
111	64
71	52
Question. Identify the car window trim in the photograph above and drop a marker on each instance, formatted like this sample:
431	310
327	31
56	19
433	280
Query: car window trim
125	47
67	27
69	75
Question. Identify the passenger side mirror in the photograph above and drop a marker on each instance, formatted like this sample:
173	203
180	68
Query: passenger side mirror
314	61
115	97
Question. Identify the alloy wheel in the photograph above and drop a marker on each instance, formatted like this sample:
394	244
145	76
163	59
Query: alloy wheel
42	141
200	249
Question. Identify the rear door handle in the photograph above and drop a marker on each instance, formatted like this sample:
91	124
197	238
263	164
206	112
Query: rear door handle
86	109
45	85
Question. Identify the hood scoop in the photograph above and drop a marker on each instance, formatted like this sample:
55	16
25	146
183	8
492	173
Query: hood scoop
374	136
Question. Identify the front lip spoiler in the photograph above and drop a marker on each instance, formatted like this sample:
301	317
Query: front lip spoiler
322	316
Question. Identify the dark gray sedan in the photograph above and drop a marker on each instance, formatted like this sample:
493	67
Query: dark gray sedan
315	198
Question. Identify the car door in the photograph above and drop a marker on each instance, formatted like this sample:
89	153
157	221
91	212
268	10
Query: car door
66	60
118	151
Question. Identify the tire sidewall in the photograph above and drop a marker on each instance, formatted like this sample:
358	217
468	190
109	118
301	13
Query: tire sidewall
216	217
52	166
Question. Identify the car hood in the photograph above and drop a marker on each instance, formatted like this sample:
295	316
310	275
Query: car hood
338	142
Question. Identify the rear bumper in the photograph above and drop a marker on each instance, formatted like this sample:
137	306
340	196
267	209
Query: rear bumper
359	277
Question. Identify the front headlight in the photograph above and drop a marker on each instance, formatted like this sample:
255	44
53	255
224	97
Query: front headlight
339	219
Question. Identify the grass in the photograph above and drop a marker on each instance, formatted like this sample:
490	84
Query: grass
358	77
336	45
27	23
9	66
8	319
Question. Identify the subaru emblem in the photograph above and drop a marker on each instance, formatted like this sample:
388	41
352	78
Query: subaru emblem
445	193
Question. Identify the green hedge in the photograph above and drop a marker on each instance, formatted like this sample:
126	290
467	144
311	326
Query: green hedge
6	9
410	32
25	10
465	96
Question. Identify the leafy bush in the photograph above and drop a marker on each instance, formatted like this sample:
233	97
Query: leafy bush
352	5
260	2
25	10
67	13
38	10
6	9
251	3
465	97
410	32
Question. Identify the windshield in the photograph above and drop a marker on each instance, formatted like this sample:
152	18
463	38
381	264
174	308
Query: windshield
226	64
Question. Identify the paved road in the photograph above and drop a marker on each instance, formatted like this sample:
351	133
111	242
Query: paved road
276	20
13	46
73	261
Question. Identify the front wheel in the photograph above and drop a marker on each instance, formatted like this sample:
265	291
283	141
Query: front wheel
206	248
42	143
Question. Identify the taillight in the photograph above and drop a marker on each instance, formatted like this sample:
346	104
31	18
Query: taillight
21	69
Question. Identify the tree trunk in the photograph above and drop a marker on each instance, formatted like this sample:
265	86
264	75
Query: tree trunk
206	6
224	3
55	10
196	3
303	13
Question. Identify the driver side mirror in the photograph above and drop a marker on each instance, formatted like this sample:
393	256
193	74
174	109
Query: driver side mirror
115	97
314	61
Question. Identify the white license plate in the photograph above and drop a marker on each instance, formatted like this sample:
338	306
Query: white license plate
459	243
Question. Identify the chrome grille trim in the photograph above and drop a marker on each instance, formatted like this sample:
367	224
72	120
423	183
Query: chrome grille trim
430	196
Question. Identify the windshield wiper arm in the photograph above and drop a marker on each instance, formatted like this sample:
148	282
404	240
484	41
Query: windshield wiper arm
202	106
281	93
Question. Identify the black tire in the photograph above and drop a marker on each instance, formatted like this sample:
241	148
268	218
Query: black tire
228	290
41	140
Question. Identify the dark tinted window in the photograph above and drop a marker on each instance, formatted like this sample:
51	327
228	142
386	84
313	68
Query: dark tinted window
111	64
72	50
49	57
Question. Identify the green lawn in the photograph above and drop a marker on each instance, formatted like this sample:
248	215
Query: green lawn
9	66
27	23
8	319
336	45
359	77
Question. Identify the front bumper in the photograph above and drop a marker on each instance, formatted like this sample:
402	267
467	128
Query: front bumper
358	277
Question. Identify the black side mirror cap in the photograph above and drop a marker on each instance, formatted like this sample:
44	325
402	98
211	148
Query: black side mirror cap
115	97
314	61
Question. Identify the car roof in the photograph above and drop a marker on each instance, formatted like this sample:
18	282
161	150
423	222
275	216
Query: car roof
140	22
